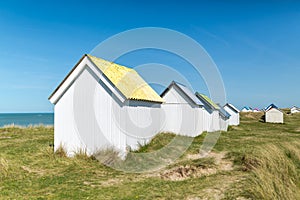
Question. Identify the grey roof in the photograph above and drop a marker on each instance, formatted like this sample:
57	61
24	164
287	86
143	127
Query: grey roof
223	112
232	107
186	91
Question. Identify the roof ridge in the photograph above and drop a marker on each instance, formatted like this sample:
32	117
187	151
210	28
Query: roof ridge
232	107
118	65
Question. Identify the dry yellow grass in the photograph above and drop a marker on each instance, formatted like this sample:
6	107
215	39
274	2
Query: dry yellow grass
274	174
4	168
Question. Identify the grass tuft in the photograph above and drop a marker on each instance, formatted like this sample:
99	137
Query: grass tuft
82	154
107	156
4	168
61	151
158	142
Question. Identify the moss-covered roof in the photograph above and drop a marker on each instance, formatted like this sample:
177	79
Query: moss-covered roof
208	100
126	80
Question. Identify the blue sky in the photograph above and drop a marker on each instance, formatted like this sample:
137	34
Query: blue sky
256	45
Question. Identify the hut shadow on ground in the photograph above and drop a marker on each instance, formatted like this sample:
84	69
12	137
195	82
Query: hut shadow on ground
263	119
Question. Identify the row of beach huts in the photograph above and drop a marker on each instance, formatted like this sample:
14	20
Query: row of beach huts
101	105
272	113
293	110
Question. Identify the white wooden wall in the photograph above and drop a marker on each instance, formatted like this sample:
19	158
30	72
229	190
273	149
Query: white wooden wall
215	121
234	118
274	116
181	115
183	119
224	124
64	130
207	120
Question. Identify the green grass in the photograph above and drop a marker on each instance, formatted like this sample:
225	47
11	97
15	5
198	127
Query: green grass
265	165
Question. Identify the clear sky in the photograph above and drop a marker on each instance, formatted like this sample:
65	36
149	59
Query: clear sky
256	45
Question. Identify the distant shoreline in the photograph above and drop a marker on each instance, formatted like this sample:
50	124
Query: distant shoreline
28	126
26	119
7	113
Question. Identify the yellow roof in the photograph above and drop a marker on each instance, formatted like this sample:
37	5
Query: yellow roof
127	80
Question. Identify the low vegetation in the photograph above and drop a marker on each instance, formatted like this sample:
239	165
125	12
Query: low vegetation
252	161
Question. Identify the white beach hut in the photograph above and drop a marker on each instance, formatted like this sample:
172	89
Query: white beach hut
224	118
234	118
269	107
184	112
212	111
295	109
256	110
101	104
246	109
273	114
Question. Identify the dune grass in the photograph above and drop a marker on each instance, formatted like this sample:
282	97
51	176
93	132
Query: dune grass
265	165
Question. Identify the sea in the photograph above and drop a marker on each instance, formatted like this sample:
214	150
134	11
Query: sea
26	119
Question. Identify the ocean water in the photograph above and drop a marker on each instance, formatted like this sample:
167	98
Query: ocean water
26	119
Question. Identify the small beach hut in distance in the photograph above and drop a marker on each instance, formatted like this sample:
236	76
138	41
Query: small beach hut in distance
183	111
256	110
295	109
102	105
273	114
212	110
234	118
246	109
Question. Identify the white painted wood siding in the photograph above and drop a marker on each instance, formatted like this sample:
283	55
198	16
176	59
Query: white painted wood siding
234	118
182	116
274	116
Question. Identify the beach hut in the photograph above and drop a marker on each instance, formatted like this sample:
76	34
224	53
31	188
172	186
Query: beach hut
234	118
256	110
224	118
295	109
212	112
246	109
273	114
184	112
101	105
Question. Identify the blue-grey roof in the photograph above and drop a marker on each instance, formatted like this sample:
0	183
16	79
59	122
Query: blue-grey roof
247	108
189	93
271	106
223	112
